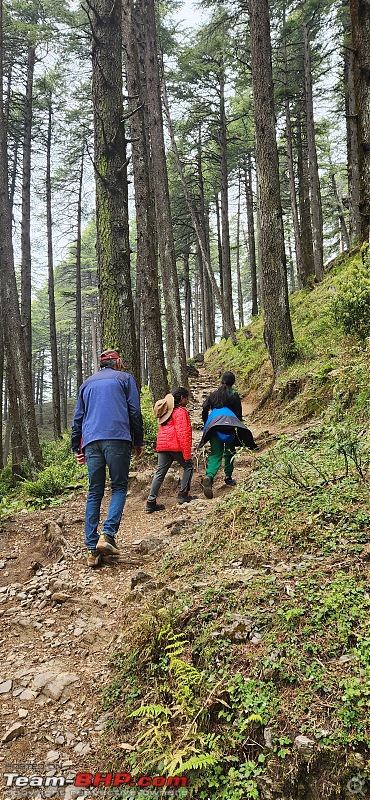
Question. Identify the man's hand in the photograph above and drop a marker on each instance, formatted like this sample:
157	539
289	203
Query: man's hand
138	450
80	458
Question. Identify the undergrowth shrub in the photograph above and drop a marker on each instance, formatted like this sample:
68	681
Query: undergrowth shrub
150	424
351	306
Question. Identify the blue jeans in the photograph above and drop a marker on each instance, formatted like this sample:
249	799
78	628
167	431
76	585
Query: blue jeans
115	454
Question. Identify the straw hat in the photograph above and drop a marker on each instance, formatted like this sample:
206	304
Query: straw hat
164	408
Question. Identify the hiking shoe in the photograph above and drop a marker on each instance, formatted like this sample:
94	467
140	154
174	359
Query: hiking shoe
207	487
185	498
152	505
93	558
230	481
107	544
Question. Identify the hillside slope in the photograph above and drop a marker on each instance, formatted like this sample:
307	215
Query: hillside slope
254	680
229	645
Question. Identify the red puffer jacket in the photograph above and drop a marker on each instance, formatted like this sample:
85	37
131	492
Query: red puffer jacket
176	434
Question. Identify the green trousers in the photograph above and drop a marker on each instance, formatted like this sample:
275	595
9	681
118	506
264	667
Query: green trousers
219	450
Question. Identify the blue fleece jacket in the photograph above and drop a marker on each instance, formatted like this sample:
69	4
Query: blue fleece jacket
108	407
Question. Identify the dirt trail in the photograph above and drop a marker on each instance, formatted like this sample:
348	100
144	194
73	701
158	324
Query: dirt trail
59	621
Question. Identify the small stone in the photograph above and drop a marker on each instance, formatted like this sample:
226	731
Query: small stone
60	597
139	578
305	746
82	748
147	546
5	687
52	756
22	713
14	732
267	735
99	599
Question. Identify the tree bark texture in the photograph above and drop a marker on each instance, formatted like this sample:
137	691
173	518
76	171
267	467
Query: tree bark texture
238	272
52	321
26	208
203	218
79	376
174	332
278	329
292	188
352	132
113	250
251	236
146	259
360	24
304	204
315	192
1	382
13	335
225	232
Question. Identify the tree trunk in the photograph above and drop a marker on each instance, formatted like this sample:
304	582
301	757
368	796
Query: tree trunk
219	242
146	263
13	335
304	206
315	193
52	321
117	320
352	133
342	222
196	338
360	24
16	426
1	383
227	288
238	273
26	209
79	378
41	391
227	320
251	236
175	348
187	301
291	266
278	330
292	189
94	342
207	298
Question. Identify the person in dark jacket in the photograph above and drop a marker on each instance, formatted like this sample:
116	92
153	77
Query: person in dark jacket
174	442
107	426
224	429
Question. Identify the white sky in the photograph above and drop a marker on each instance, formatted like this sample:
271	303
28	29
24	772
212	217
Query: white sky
190	15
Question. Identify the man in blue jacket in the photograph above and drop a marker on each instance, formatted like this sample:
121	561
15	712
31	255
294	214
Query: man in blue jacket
107	426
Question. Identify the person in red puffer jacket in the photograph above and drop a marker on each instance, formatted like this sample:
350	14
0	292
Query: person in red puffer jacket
173	444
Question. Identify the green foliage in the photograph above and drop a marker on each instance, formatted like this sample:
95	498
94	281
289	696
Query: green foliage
61	474
351	306
149	421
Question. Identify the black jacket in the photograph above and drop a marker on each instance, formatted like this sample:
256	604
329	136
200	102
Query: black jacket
227	423
233	403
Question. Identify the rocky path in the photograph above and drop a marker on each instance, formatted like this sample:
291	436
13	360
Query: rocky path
59	621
